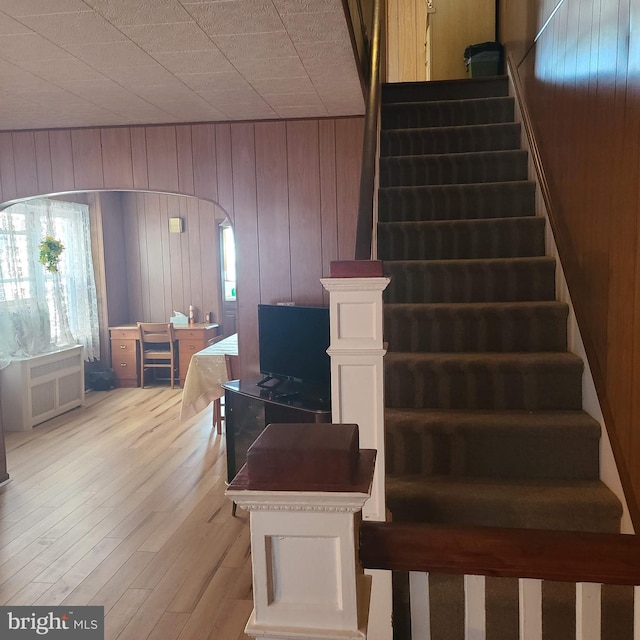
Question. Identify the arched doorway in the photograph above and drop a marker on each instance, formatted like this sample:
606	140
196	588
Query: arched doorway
147	267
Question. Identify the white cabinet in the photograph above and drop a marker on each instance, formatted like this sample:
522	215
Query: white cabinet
41	387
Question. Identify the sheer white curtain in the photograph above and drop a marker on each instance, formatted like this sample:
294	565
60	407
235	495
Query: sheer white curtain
44	310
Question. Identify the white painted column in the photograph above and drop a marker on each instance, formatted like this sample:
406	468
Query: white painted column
357	375
307	581
357	396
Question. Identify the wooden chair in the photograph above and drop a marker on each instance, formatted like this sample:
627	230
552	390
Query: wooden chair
233	366
233	373
158	349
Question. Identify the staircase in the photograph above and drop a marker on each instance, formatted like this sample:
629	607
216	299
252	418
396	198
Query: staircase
483	418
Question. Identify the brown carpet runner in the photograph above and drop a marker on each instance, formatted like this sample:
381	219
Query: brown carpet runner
484	420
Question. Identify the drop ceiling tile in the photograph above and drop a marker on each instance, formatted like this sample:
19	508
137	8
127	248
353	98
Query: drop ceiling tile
62	71
111	55
307	6
351	104
106	118
9	26
215	81
137	12
121	84
248	112
342	111
9	103
207	61
306	27
332	73
140	76
236	16
257	45
36	120
172	101
278	100
269	86
137	113
74	28
54	97
180	36
26	47
115	99
19	8
170	93
302	112
240	96
195	113
21	81
325	53
261	68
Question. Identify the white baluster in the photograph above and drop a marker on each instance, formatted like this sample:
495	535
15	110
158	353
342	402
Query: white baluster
420	605
588	607
636	613
474	608
530	609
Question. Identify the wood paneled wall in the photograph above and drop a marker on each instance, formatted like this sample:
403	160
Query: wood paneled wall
167	272
289	187
581	85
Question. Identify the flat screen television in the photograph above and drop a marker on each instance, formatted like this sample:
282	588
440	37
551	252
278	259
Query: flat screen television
293	343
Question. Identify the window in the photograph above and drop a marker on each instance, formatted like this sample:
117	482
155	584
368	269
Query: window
229	263
39	309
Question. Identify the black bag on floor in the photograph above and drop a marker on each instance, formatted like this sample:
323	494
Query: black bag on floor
101	380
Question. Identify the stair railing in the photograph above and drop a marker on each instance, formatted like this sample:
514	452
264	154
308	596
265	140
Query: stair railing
370	69
587	559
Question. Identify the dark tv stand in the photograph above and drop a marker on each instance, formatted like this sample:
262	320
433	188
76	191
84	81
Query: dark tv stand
270	382
249	408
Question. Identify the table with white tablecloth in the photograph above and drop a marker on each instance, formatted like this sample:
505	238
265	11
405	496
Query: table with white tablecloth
207	371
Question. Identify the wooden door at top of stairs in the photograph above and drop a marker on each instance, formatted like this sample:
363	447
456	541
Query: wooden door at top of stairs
430	46
453	26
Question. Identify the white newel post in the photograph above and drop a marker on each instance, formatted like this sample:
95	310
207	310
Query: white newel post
304	486
357	391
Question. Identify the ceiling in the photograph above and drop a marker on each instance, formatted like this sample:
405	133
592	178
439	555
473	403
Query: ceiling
78	63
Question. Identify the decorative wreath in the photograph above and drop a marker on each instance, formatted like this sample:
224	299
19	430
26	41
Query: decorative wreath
50	250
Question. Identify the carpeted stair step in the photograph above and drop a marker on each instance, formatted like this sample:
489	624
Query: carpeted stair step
566	505
476	327
456	168
487	280
445	89
454	202
486	137
457	239
498	381
446	113
541	445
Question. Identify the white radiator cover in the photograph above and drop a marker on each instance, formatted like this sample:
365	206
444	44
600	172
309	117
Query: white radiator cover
41	387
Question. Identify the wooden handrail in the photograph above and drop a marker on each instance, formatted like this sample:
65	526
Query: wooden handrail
364	229
510	553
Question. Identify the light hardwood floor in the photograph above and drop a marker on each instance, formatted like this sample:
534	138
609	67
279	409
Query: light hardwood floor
119	504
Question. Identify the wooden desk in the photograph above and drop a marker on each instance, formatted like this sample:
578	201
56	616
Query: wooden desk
125	349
